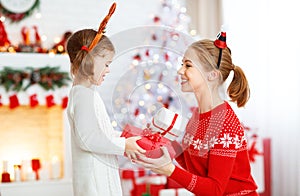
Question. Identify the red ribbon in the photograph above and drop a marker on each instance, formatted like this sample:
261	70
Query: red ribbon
169	128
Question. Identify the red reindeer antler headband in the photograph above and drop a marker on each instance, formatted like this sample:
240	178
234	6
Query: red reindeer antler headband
102	27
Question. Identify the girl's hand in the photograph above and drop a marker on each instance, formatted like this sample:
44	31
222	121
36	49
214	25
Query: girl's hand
132	149
162	165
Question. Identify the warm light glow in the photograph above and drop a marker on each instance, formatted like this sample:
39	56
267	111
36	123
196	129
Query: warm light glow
160	85
135	62
35	136
156	56
114	123
60	48
148	86
38	15
55	159
183	10
193	32
44	38
142	116
11	49
141	103
56	40
51	53
2	18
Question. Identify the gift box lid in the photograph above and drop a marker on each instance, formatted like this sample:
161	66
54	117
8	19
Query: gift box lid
168	122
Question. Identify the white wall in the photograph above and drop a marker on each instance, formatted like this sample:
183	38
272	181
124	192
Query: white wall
263	37
61	16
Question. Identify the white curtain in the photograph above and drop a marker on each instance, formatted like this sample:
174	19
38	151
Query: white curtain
205	16
264	38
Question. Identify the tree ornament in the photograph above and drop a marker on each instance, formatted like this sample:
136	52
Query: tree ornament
156	19
137	57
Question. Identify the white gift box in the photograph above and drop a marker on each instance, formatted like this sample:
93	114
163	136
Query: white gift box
173	192
168	122
151	180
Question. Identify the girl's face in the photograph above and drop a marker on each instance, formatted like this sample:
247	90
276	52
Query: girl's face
101	67
192	77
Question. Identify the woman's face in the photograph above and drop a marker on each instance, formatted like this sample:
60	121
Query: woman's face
191	75
101	67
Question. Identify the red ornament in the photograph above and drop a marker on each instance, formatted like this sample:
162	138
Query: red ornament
13	101
154	37
161	76
166	57
64	103
147	53
50	101
136	112
33	100
137	57
156	19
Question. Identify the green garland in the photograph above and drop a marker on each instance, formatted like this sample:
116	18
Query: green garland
17	17
49	78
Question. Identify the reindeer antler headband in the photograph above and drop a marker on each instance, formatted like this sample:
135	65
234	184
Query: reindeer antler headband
220	43
101	29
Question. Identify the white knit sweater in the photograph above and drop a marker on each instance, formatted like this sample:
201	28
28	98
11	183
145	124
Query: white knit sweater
94	146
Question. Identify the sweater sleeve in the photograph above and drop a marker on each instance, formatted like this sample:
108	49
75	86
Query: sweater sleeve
93	134
179	154
219	172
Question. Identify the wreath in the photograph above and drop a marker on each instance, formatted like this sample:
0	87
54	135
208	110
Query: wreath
49	78
16	17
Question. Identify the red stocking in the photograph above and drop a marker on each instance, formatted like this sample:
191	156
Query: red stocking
50	101
13	101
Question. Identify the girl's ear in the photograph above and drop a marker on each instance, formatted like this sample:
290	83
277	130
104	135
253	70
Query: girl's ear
213	75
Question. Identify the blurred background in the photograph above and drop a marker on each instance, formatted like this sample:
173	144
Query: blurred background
263	38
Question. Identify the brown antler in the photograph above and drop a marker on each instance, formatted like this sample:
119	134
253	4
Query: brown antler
102	26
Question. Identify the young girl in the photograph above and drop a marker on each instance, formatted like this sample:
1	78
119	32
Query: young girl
94	146
214	159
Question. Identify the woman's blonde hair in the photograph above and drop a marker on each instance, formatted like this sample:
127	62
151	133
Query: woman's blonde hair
208	54
82	61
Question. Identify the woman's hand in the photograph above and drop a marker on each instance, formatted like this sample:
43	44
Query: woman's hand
132	149
162	165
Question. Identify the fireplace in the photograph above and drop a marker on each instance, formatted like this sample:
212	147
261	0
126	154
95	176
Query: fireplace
32	133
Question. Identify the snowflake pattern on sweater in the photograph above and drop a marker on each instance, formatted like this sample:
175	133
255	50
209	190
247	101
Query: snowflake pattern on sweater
218	131
215	159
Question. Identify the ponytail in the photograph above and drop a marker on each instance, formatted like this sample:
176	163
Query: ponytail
239	90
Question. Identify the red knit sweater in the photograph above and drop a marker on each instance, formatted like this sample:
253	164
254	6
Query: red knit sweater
215	158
